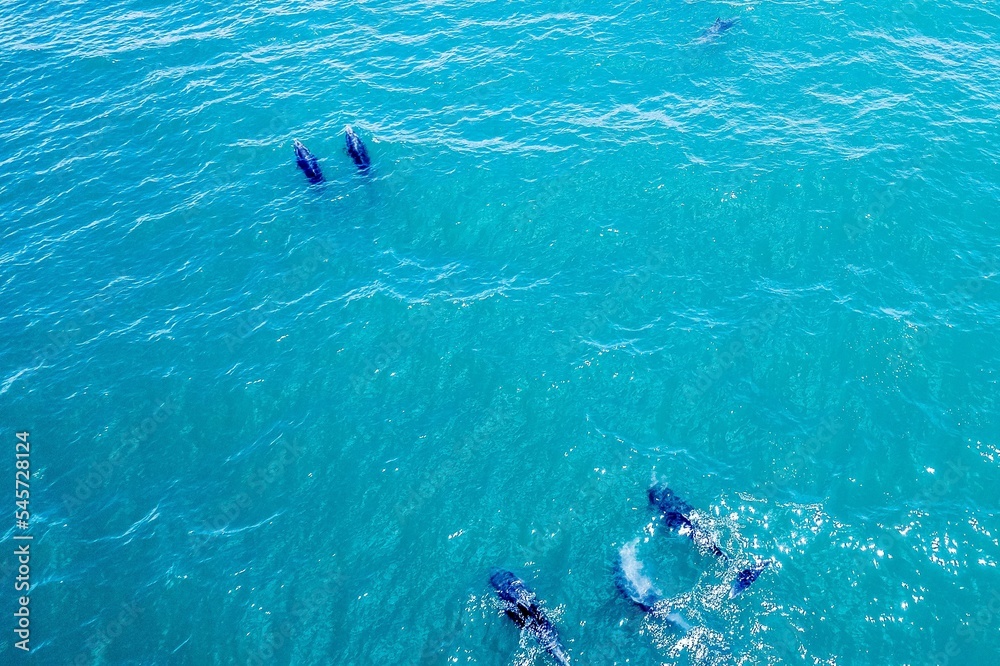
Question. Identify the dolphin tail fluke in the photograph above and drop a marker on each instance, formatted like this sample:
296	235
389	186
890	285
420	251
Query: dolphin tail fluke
746	577
664	612
560	656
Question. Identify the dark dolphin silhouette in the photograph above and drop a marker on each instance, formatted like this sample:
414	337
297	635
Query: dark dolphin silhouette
520	606
356	149
307	162
675	516
746	577
717	28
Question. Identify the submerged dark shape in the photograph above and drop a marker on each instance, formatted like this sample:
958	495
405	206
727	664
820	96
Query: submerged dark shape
356	149
719	27
307	162
520	606
635	585
746	577
675	516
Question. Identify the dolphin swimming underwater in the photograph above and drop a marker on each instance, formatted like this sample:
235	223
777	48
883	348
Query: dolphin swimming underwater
520	606
356	149
634	584
675	516
746	577
717	28
307	162
631	581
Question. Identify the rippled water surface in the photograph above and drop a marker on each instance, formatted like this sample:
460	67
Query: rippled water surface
293	424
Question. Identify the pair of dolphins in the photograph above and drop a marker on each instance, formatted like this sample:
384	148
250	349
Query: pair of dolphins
675	512
519	602
310	165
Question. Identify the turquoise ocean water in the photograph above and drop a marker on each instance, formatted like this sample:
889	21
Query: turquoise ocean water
284	424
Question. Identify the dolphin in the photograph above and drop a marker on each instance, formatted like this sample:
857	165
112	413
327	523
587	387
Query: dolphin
632	582
746	577
307	162
675	516
356	149
717	28
635	585
520	606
